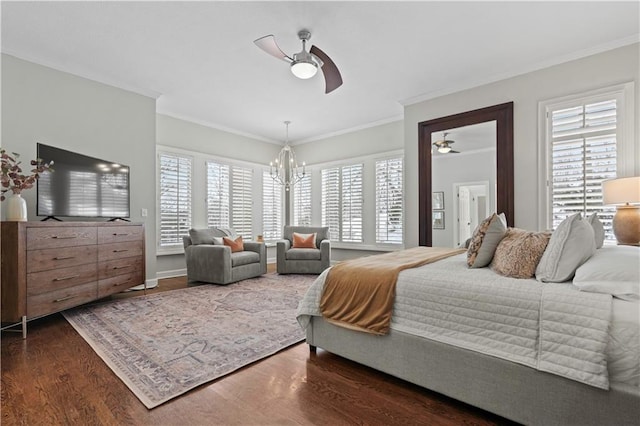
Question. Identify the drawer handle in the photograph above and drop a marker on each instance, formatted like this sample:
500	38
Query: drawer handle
120	234
120	251
64	257
122	267
62	299
64	237
66	278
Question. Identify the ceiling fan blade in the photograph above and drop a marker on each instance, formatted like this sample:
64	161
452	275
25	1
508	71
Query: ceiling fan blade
269	45
454	152
332	77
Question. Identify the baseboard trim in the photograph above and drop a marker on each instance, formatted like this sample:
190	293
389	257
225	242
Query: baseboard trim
172	273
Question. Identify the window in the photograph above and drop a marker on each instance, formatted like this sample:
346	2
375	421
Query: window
389	201
241	204
302	202
175	198
342	202
217	195
583	148
271	207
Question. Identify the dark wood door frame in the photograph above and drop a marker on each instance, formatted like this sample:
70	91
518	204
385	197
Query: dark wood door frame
503	115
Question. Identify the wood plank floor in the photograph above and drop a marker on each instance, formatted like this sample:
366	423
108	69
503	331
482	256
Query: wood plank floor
54	378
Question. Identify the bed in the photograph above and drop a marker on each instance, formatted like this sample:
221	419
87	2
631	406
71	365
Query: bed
509	363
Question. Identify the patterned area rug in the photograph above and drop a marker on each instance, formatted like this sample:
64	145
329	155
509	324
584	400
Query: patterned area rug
164	344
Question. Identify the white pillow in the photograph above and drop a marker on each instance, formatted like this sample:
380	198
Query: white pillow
612	270
571	244
598	229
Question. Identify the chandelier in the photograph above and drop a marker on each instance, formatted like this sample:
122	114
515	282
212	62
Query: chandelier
284	169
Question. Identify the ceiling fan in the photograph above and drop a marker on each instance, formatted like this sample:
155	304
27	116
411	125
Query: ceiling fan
444	145
305	64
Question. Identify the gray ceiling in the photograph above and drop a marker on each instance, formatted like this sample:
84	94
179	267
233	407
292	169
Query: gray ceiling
199	60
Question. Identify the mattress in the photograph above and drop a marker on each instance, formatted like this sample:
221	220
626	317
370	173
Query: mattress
523	335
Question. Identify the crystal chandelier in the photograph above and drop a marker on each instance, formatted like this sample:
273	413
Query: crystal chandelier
284	169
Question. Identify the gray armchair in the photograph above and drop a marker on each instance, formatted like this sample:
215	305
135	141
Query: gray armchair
303	260
209	260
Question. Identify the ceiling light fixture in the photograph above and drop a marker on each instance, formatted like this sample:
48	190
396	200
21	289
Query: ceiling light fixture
303	65
444	149
284	169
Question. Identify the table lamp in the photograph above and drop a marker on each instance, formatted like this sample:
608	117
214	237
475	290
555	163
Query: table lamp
624	193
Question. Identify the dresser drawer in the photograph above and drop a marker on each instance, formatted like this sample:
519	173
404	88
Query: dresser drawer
54	301
46	259
116	234
119	250
111	268
44	238
45	281
119	283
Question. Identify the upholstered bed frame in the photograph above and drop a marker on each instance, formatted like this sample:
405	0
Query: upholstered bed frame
510	390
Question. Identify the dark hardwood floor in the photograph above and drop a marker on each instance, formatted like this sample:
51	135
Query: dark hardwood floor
54	378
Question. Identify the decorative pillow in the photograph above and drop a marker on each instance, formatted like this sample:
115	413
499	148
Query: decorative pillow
519	252
485	239
571	244
598	229
613	270
304	240
236	245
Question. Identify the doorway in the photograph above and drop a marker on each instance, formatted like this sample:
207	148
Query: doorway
472	206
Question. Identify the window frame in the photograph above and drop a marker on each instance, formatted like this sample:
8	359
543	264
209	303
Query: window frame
625	149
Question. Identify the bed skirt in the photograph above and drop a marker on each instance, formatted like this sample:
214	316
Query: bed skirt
511	390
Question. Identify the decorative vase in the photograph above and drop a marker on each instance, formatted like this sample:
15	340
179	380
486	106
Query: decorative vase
16	208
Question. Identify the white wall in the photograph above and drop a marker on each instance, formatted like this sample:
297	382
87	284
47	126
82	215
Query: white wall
40	104
604	69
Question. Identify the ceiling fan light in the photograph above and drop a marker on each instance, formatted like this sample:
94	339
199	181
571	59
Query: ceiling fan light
444	149
304	69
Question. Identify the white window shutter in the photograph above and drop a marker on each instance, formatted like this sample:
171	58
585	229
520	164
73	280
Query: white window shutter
352	200
218	195
302	202
241	203
175	199
271	208
389	201
583	154
330	202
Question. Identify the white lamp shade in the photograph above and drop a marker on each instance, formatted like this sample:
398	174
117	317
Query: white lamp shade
304	69
621	191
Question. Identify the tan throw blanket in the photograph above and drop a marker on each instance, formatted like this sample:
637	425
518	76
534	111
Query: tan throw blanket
359	293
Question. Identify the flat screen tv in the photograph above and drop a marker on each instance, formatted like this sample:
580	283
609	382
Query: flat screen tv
82	186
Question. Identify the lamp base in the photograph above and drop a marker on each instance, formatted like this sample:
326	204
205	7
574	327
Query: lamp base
626	225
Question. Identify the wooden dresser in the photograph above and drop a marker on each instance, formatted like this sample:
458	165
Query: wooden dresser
48	267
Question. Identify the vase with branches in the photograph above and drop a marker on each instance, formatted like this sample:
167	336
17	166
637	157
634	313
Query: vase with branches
13	179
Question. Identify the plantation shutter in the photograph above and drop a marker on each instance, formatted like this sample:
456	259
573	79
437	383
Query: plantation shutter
175	198
217	195
389	201
583	154
241	204
330	202
271	208
302	202
352	203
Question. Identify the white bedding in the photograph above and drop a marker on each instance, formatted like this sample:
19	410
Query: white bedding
483	311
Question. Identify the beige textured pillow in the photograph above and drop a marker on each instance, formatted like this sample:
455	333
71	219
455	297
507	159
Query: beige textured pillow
519	252
485	239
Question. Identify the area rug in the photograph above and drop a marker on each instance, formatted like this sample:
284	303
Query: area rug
164	344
